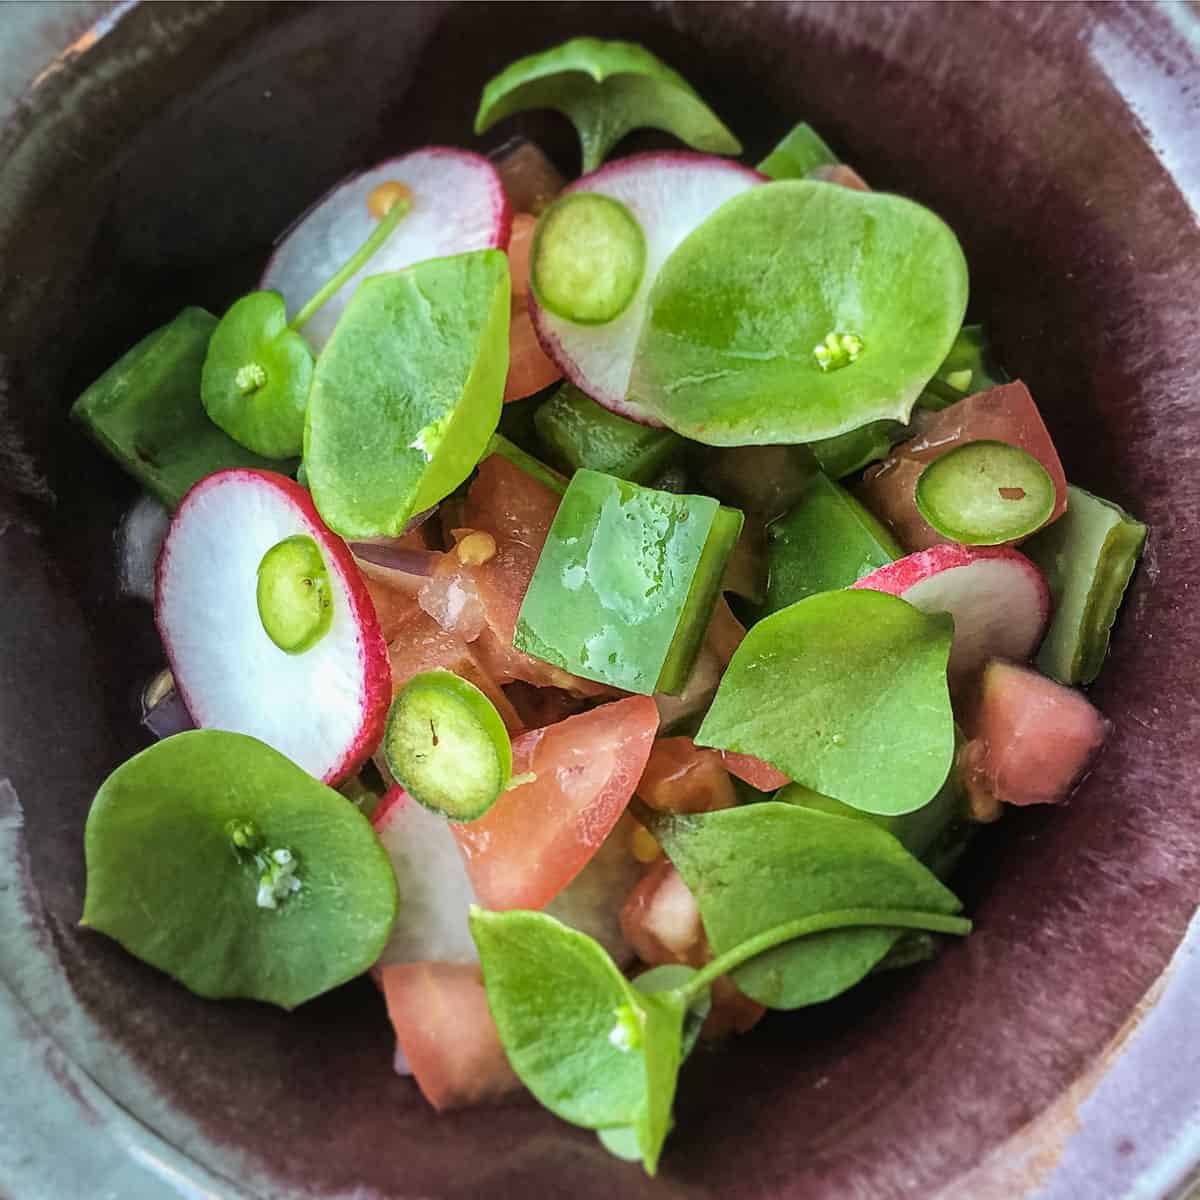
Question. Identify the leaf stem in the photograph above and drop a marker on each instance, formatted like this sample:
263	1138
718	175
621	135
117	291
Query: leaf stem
842	918
353	264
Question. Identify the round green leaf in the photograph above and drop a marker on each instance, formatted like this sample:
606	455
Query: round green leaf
407	391
257	375
799	311
606	89
845	692
192	848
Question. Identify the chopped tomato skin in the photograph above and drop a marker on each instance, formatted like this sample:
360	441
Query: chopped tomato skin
1005	413
731	1012
754	771
539	835
684	778
446	1033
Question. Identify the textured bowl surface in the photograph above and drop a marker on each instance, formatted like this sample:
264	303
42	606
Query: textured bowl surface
152	164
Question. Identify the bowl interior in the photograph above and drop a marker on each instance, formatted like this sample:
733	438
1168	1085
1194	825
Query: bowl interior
155	168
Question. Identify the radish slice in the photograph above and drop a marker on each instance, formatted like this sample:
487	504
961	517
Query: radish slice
669	194
435	890
999	600
323	708
458	205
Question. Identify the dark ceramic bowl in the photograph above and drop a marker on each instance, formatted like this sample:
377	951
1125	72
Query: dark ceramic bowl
1052	1053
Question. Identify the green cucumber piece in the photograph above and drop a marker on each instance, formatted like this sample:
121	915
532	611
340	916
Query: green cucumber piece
578	432
186	868
1087	556
588	258
826	542
446	745
846	453
626	583
986	493
145	411
967	369
801	150
295	600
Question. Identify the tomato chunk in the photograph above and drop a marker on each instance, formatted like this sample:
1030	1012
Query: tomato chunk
529	368
754	771
539	835
1005	413
1032	739
661	920
682	777
446	1033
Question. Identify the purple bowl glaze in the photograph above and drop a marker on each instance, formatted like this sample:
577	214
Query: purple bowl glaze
1052	1053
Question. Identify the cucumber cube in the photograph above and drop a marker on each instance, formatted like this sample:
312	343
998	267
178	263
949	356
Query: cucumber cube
626	583
826	542
145	411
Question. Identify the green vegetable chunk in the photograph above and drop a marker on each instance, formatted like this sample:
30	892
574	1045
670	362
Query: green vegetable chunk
588	258
407	391
1088	556
849	452
593	1048
757	868
626	583
606	89
295	601
577	432
826	542
986	493
216	859
145	410
969	368
844	692
800	151
256	376
447	746
799	311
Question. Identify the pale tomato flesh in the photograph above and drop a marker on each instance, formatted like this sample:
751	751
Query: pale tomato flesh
446	1033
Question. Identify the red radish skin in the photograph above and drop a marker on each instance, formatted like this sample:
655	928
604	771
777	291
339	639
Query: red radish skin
1005	413
538	836
1000	601
1032	740
669	194
754	771
661	920
458	205
682	777
446	1034
221	657
529	368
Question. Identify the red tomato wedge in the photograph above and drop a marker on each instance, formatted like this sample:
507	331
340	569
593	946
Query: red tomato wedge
444	1029
1005	413
754	771
661	920
681	777
538	836
529	369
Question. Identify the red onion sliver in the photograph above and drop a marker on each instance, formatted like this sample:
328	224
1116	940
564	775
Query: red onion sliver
396	558
169	716
420	519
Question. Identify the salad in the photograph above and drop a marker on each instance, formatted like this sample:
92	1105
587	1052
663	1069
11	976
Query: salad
599	611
